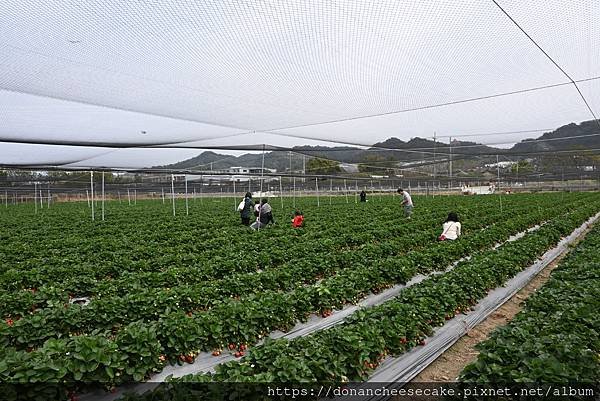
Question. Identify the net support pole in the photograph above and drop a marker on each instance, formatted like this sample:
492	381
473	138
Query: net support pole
173	193
135	195
281	191
128	197
87	196
187	207
103	197
262	176
41	198
317	189
330	189
201	197
35	196
163	195
234	200
294	192
346	190
119	195
92	194
48	196
5	198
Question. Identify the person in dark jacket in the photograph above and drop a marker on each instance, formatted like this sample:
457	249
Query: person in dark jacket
245	208
265	216
363	196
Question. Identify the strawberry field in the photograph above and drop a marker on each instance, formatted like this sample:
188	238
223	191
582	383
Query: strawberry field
556	338
166	291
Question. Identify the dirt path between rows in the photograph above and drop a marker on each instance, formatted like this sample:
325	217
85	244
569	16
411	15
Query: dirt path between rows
449	365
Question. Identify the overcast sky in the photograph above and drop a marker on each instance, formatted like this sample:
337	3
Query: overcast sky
285	73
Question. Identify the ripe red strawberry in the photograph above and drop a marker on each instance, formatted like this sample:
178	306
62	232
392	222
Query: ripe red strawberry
10	322
189	359
216	353
182	357
243	347
232	346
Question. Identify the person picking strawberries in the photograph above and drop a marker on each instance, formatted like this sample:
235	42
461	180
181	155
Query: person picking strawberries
298	219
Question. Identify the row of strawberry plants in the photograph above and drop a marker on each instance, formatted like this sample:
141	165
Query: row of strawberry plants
110	252
122	257
80	278
556	338
22	301
153	304
179	332
351	351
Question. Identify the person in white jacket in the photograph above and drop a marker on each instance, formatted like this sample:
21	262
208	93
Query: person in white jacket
451	228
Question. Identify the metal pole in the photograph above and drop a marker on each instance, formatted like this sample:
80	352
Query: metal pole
234	200
128	197
346	190
92	193
5	198
498	170
450	164
103	196
303	168
262	174
294	193
87	196
48	195
281	191
187	208
119	195
434	159
135	195
35	196
173	192
201	197
317	188
163	195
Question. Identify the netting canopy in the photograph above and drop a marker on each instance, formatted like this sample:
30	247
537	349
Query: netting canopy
90	81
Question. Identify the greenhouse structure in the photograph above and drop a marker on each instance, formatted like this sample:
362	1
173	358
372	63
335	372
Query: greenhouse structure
301	199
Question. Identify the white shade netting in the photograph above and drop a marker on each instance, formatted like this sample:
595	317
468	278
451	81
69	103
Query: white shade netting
218	73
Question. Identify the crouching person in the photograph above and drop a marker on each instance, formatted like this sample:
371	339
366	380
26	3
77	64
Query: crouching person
265	216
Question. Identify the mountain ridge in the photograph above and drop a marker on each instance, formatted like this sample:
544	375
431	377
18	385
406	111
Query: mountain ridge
394	150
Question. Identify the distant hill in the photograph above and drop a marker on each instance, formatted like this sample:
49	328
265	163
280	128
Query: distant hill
563	138
395	150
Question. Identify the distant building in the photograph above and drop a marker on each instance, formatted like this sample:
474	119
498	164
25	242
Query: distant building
237	174
501	164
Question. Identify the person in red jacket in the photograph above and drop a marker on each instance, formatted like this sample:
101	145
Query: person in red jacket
298	219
